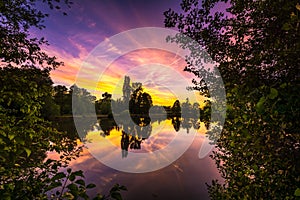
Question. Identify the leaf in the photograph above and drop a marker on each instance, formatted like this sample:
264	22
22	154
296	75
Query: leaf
297	192
72	177
72	187
286	27
91	185
80	182
28	151
260	105
68	195
78	173
58	176
116	195
53	185
273	93
122	187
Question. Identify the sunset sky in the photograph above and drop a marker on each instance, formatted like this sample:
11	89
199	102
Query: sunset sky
75	37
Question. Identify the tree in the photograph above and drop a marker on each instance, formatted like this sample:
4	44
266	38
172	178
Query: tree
25	136
17	48
140	102
63	99
139	105
82	101
104	106
26	93
256	44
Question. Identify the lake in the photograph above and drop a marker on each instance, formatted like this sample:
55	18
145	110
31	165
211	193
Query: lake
182	178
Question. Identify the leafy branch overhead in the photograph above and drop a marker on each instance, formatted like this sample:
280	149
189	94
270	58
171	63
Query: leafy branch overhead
17	46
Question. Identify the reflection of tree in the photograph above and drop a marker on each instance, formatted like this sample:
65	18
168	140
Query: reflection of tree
133	110
186	124
133	135
205	113
196	123
176	109
176	123
107	125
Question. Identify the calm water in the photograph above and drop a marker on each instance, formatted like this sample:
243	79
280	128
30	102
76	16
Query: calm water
184	178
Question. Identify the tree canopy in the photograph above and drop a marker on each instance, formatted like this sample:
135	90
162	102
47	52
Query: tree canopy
257	46
17	46
26	104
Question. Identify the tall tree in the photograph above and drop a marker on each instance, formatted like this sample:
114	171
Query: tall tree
256	44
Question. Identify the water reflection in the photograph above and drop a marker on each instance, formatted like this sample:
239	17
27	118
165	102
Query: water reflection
133	134
183	179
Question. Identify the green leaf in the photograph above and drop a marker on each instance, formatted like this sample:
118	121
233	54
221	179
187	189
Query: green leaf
11	136
260	105
273	93
91	185
68	195
80	182
72	177
20	140
116	195
122	187
297	192
79	173
58	176
53	185
28	151
72	187
286	27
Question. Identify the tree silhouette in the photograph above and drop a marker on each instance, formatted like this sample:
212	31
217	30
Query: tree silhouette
139	105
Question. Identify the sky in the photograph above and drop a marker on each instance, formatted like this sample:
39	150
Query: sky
75	39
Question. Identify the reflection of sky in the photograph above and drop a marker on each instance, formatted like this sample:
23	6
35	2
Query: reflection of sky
183	179
162	133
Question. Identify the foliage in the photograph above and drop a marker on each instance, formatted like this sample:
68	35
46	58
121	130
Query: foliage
63	99
256	44
73	186
104	106
25	136
82	101
26	103
140	102
17	48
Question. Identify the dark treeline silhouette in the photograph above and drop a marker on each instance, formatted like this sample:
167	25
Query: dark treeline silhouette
135	109
139	104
